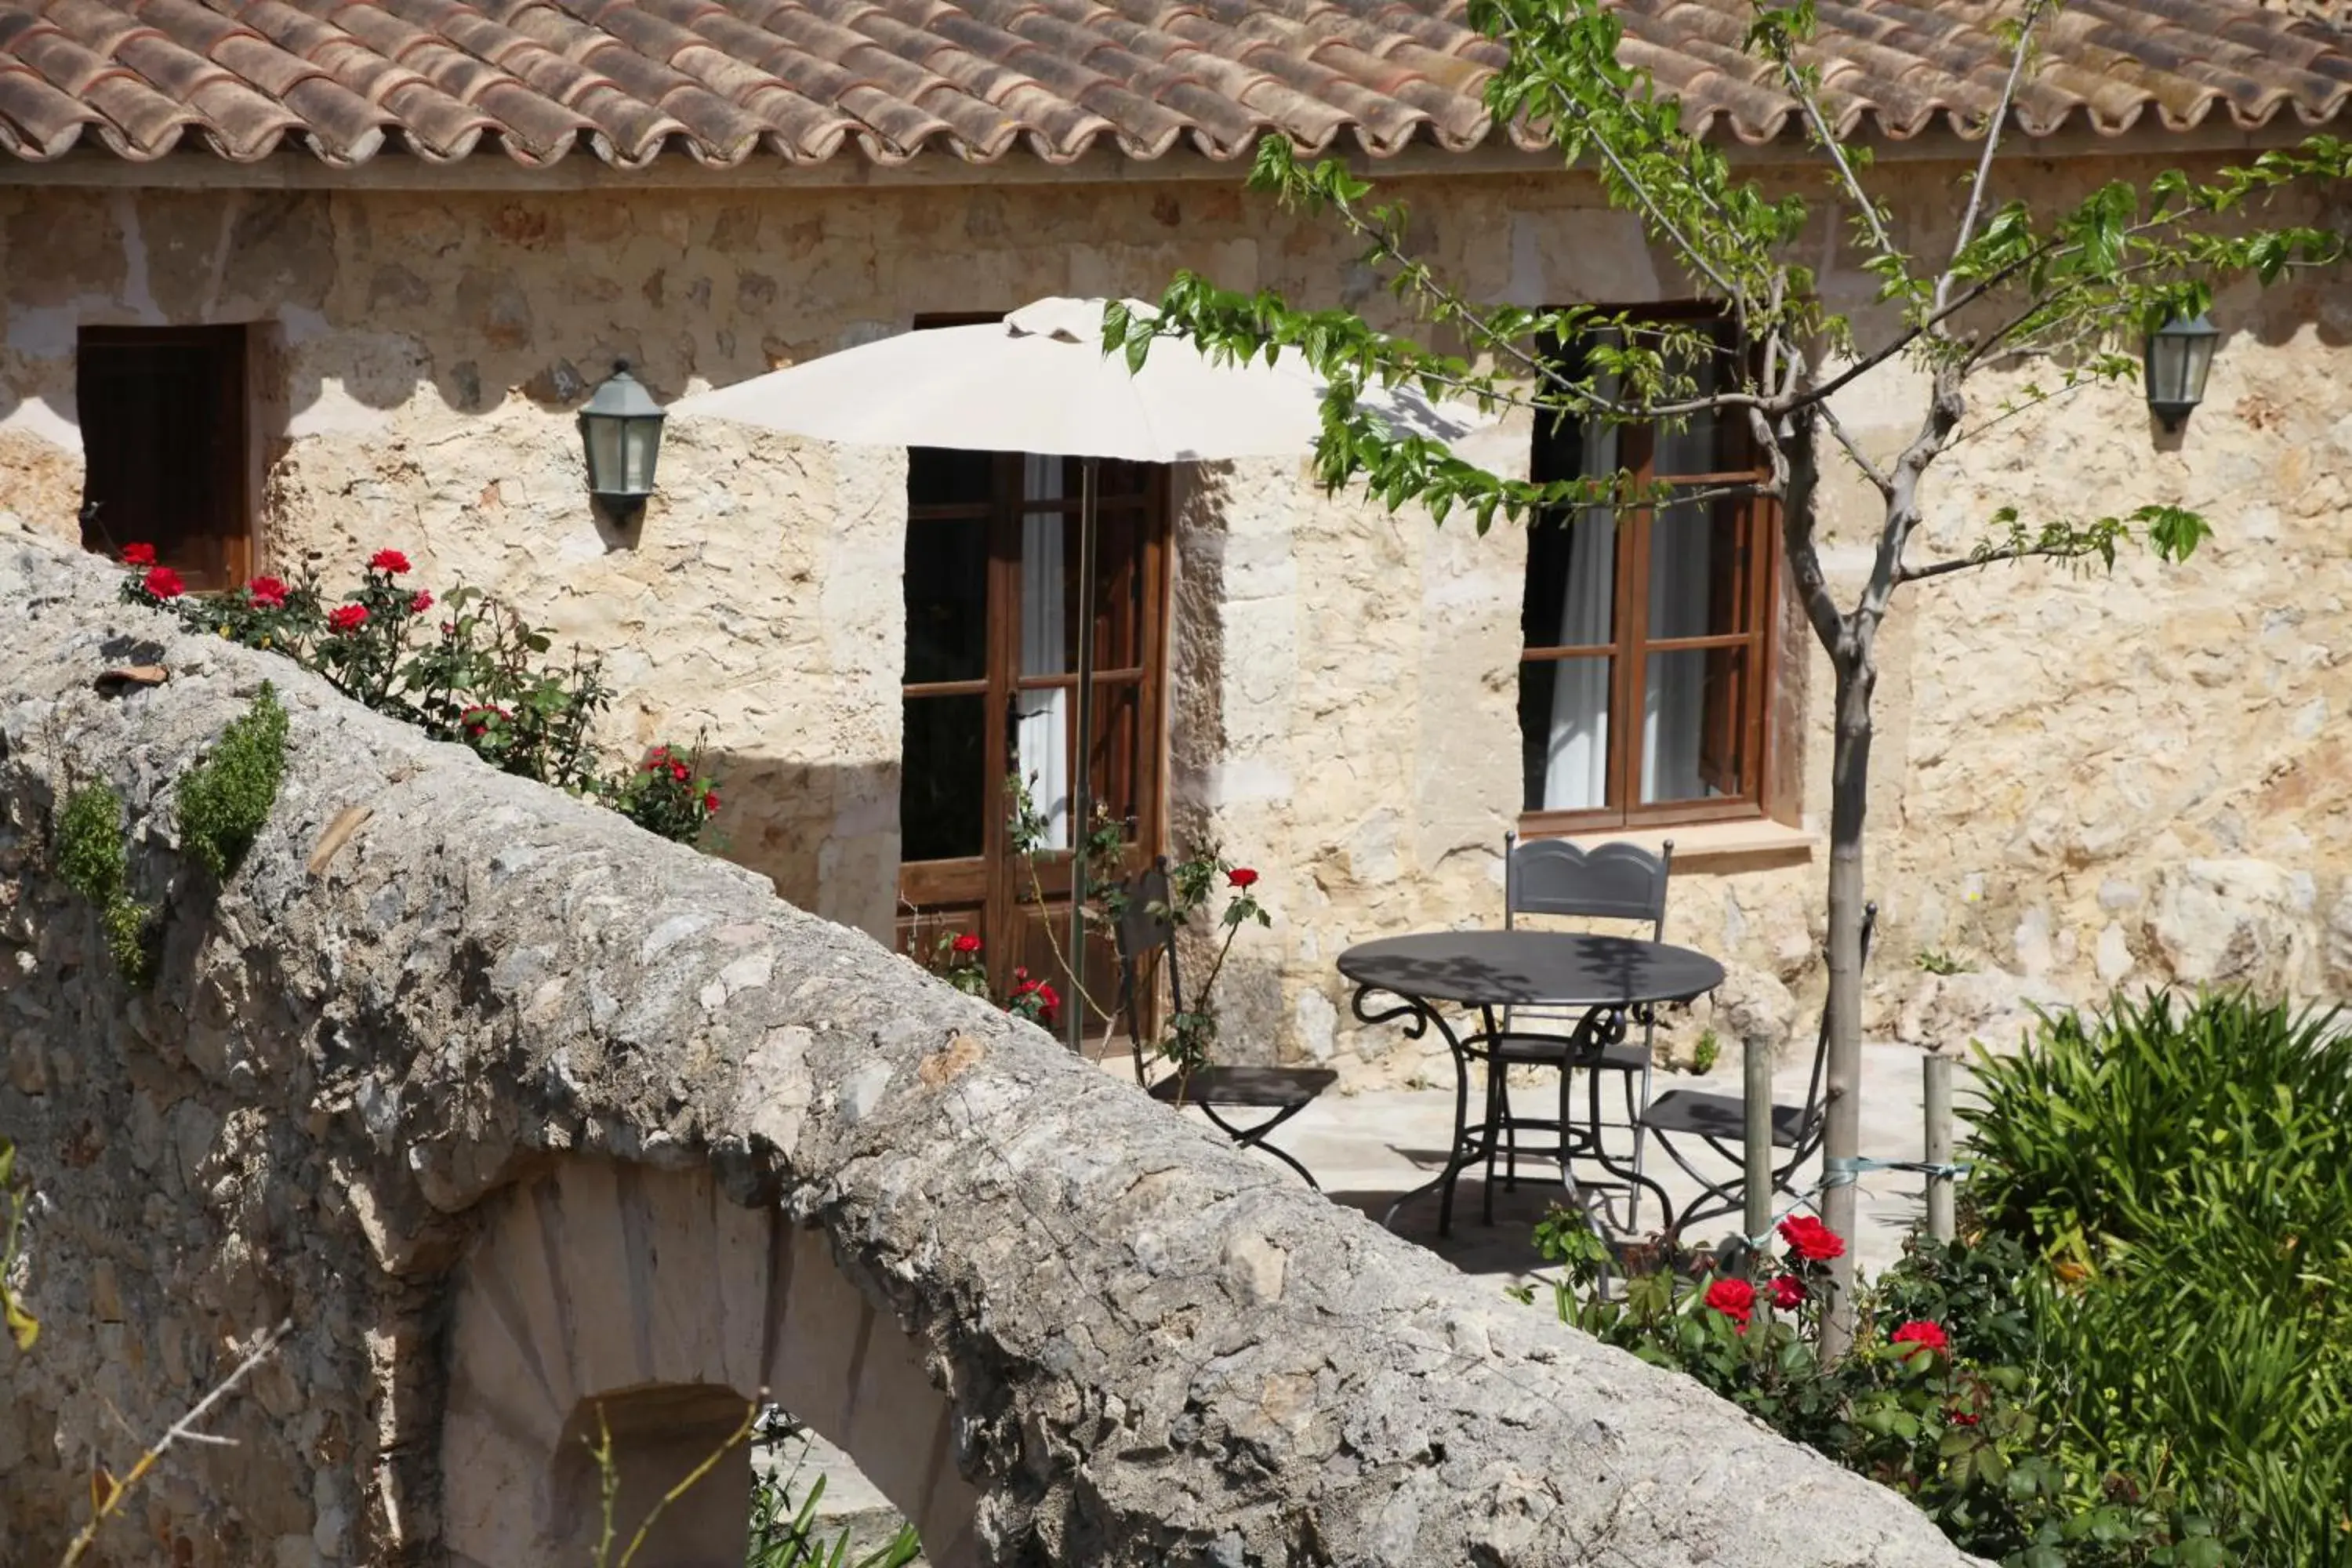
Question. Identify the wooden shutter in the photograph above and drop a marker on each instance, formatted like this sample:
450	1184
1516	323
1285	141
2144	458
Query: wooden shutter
163	414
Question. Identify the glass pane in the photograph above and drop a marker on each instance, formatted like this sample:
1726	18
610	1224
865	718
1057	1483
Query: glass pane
946	600
604	471
1115	481
943	798
1571	591
1705	444
1564	732
938	476
1699	570
1116	749
1049	583
641	444
1694	725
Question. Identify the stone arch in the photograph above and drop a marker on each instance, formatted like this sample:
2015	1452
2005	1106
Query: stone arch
648	1291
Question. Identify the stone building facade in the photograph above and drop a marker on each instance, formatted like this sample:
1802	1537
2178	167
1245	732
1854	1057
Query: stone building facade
2083	780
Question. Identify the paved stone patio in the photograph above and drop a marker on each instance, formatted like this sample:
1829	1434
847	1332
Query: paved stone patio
1369	1147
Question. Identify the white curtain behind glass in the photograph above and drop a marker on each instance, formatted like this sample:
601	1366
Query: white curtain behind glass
1576	769
1042	732
1674	704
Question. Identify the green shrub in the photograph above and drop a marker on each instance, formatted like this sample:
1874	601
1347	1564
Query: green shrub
1938	1398
2182	1176
94	863
223	801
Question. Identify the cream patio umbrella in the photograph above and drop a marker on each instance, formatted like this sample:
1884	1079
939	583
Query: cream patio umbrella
1038	381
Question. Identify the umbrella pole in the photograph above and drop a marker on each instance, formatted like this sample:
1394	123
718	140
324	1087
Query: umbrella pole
1081	762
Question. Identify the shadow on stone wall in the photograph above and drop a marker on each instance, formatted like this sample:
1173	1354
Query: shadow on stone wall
826	834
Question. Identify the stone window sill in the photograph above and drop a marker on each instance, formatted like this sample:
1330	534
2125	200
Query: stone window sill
1752	845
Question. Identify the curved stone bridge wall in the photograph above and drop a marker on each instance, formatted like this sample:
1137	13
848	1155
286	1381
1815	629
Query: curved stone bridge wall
510	1108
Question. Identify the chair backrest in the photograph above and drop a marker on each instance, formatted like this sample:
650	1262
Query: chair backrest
1815	1109
1146	933
1609	881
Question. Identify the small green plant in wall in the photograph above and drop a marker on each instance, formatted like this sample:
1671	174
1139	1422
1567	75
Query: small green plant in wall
225	799
94	863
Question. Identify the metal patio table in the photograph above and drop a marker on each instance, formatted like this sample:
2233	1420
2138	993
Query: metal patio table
1478	975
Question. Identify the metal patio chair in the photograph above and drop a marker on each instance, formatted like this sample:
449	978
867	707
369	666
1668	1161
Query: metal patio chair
1611	881
1719	1122
1147	950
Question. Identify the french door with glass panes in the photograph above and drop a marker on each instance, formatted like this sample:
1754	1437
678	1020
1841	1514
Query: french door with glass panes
990	697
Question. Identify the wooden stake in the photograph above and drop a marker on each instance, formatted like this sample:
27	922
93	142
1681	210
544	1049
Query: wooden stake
1937	1070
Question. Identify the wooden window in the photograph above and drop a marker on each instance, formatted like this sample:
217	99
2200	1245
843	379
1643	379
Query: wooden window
991	592
162	415
1647	631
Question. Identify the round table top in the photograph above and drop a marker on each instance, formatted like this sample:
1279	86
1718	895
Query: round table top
1500	968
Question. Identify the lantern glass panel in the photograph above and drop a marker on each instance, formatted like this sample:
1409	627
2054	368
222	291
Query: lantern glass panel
605	467
2167	368
640	447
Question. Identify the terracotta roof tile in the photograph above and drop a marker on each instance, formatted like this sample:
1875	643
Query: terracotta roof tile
723	80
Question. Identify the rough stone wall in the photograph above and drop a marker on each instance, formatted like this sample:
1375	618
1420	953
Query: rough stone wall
1158	1350
2079	781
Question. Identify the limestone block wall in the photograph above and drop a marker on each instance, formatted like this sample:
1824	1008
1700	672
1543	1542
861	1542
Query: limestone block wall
464	1077
2079	781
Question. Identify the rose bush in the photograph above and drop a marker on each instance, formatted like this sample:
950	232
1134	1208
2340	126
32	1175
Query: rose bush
1971	1441
1187	1037
479	676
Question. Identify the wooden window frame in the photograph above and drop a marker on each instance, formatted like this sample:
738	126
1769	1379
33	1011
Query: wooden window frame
232	472
971	880
1631	648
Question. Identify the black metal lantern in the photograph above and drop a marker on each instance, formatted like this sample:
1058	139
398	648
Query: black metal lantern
621	428
2178	356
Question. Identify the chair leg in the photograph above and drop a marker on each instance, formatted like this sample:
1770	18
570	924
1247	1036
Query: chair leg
1255	1136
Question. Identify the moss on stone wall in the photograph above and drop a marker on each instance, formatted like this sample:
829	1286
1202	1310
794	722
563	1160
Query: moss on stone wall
93	862
225	799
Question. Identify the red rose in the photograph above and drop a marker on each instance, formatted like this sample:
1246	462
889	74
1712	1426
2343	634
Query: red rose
1241	876
391	561
268	592
709	801
1788	1292
422	602
1734	1299
1919	1331
1812	1240
967	943
139	555
345	619
1963	1417
477	720
164	583
677	771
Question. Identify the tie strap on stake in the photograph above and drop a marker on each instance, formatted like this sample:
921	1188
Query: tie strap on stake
1844	1171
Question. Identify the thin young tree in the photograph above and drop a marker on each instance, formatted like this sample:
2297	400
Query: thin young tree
2071	285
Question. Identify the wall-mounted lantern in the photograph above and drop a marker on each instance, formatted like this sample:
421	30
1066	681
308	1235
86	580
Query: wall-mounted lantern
2179	355
621	428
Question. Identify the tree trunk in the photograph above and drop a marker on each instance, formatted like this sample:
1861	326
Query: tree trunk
1849	808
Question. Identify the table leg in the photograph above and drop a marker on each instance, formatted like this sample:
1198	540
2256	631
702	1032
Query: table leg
1420	1016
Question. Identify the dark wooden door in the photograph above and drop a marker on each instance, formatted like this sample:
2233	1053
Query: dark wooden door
990	703
162	413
